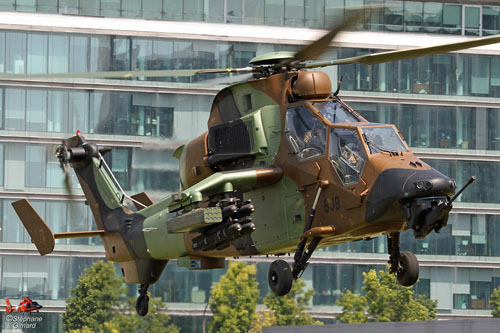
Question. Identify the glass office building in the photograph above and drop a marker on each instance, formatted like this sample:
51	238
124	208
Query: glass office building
446	107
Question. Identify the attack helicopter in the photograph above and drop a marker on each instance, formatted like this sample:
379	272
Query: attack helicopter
285	167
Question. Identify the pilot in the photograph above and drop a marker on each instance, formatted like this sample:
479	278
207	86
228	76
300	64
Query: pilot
316	139
351	157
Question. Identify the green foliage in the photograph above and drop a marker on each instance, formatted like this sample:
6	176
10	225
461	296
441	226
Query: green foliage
92	300
129	321
95	306
233	300
264	319
385	300
353	307
495	303
290	309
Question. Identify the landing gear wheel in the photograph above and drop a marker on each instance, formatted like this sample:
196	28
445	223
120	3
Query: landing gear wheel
142	305
407	273
280	277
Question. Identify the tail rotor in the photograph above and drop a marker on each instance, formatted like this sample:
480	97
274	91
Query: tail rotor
64	156
71	150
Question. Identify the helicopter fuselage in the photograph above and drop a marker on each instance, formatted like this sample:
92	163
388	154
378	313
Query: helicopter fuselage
310	137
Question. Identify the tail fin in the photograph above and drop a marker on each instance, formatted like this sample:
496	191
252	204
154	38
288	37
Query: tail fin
8	308
40	232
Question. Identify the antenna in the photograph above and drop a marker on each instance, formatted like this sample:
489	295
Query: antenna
338	86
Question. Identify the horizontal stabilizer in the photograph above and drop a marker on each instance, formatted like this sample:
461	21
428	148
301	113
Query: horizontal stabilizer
143	199
40	233
79	234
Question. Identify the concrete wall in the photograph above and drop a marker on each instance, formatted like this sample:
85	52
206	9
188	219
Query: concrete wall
488	325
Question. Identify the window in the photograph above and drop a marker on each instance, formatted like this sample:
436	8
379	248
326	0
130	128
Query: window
37	53
294	13
347	154
131	8
68	6
334	12
336	112
15	109
393	19
1	166
57	115
461	301
433	13
78	54
15	49
36	110
305	133
254	12
151	9
58	54
193	10
413	16
47	6
35	166
491	20
234	12
89	7
78	112
274	11
472	20
383	139
172	10
314	14
480	292
110	8
452	19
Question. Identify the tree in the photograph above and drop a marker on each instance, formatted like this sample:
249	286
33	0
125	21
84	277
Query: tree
92	300
495	303
290	309
385	300
127	320
233	300
96	306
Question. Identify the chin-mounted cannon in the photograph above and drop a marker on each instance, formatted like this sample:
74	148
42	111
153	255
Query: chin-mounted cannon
426	214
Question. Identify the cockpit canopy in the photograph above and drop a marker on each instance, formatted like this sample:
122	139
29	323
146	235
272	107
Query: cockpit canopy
318	127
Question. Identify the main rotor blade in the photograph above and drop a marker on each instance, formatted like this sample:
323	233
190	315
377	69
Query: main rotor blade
314	50
127	74
378	58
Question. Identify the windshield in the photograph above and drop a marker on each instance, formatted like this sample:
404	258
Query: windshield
335	112
383	139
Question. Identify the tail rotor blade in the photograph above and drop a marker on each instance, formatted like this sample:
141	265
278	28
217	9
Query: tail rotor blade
67	181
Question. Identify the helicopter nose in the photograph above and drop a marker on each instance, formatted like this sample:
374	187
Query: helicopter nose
394	188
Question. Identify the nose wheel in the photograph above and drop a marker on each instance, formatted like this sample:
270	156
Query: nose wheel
403	264
142	303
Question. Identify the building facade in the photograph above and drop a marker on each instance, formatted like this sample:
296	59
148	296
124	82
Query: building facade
446	106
